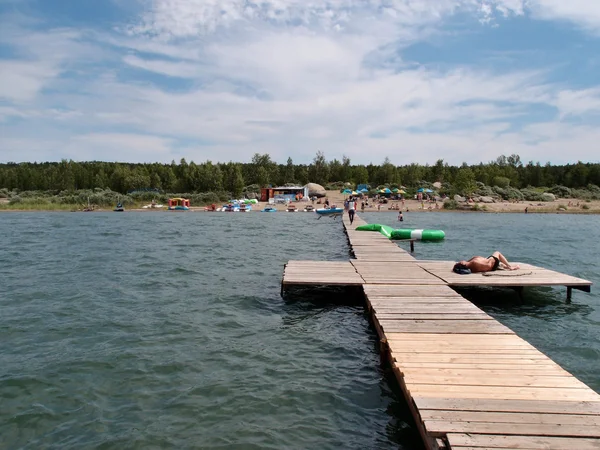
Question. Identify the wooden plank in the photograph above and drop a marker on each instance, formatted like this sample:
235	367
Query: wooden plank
499	392
437	316
536	367
438	428
589	407
458	440
443	326
424	301
462	337
445	344
514	380
402	355
511	418
410	291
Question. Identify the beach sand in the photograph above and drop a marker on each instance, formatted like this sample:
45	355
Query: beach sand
337	198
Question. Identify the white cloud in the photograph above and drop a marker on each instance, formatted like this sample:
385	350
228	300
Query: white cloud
578	102
585	13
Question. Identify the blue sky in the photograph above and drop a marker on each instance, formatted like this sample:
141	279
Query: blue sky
412	80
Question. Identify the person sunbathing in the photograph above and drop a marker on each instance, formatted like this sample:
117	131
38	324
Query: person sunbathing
493	262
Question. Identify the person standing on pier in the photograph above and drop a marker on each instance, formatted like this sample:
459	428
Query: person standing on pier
351	209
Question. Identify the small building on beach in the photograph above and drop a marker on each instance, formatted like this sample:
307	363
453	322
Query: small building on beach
282	194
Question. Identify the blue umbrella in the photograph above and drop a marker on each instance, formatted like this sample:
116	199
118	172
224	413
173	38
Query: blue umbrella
428	190
364	190
387	191
420	190
346	191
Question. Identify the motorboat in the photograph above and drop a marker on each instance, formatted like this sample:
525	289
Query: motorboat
330	212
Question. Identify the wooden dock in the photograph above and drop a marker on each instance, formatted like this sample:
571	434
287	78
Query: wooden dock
470	382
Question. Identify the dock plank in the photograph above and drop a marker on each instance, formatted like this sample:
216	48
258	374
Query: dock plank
478	441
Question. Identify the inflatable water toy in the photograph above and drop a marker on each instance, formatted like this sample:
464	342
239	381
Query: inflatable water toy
404	233
179	204
331	212
269	209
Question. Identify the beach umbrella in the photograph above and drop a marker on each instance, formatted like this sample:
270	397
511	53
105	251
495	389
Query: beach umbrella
364	190
401	191
347	192
354	193
387	191
428	191
420	190
395	190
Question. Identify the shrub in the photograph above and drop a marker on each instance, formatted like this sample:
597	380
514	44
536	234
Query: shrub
450	204
584	206
560	191
484	191
509	193
531	195
502	182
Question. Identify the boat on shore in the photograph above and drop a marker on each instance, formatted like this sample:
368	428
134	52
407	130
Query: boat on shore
292	208
119	207
269	209
329	212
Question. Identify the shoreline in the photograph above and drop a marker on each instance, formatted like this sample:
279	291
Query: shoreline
410	206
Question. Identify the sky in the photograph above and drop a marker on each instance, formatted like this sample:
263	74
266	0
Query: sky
220	80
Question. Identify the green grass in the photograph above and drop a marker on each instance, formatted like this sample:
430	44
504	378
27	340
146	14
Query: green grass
37	207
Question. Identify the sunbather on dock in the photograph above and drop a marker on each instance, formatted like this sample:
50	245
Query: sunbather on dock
493	262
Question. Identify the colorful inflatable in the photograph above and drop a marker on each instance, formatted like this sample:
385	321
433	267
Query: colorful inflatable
404	233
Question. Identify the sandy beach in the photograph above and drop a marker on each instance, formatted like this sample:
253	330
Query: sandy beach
561	206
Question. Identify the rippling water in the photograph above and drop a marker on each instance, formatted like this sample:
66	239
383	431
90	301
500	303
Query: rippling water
166	330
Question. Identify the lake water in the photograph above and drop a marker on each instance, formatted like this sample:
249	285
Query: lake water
167	330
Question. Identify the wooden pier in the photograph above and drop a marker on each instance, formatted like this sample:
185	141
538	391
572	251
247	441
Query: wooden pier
470	382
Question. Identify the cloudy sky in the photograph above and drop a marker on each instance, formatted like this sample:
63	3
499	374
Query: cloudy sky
413	80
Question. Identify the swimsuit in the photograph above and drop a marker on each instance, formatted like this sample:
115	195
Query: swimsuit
496	262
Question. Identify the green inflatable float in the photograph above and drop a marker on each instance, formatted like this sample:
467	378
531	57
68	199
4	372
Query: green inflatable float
404	233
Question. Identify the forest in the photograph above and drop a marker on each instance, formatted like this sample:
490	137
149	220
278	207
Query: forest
208	181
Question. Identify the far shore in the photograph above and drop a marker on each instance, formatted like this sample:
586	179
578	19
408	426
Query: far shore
560	206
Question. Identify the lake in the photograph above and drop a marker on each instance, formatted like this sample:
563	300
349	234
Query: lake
167	330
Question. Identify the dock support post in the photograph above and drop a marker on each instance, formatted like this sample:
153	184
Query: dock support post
519	291
412	246
569	293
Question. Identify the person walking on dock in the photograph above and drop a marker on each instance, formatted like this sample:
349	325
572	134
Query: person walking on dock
351	209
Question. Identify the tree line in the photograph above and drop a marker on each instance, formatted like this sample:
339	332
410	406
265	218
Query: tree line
233	177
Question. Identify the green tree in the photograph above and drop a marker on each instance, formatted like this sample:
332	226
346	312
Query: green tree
360	175
288	173
318	172
464	182
346	172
